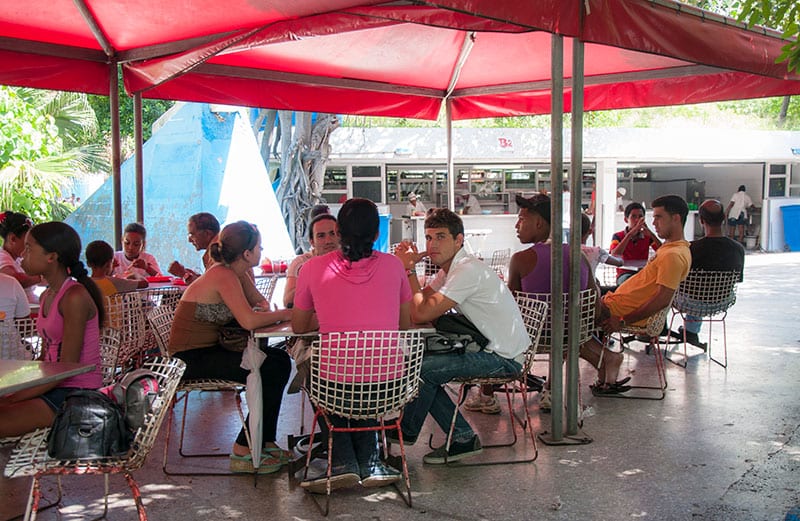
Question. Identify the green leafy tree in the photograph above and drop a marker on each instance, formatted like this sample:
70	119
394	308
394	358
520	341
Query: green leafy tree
781	14
42	145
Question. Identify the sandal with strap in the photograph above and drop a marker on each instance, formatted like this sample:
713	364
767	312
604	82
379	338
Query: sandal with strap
244	465
285	456
606	389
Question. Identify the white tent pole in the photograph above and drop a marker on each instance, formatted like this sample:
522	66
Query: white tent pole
138	158
451	178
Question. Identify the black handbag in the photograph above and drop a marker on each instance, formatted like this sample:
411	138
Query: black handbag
455	333
88	426
233	337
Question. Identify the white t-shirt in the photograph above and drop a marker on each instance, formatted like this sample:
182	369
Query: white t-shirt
741	202
472	206
13	301
483	298
7	260
124	269
417	207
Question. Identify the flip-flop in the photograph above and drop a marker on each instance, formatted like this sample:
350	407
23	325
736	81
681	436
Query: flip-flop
600	390
285	456
244	465
621	383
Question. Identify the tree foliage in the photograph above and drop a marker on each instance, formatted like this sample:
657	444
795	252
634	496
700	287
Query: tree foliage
40	132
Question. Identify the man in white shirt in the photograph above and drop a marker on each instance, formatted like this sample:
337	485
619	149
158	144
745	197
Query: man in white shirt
737	212
415	208
473	289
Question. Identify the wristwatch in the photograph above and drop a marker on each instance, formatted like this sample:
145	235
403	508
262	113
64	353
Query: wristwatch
411	272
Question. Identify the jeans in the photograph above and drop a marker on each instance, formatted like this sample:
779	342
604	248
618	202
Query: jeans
355	452
216	362
437	370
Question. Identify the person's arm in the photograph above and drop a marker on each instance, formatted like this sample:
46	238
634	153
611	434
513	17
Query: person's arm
288	291
614	261
405	315
24	279
659	301
304	321
514	275
728	210
22	308
251	293
426	305
229	287
124	285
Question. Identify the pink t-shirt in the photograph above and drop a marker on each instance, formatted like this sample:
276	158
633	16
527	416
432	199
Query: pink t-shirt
354	296
51	329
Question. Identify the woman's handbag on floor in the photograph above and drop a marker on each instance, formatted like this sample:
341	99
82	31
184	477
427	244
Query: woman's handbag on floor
88	426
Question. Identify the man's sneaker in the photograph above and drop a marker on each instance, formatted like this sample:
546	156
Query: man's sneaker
318	485
458	451
692	338
379	475
391	437
544	401
481	403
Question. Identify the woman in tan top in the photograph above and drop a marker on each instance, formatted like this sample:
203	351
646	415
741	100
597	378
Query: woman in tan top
214	300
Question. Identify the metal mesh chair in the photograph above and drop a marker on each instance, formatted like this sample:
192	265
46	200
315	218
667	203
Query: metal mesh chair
11	344
29	457
364	375
652	329
109	354
499	262
31	341
534	314
706	295
266	286
160	320
606	276
126	313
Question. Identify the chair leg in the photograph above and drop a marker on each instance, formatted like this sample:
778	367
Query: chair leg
685	352
724	363
137	495
662	379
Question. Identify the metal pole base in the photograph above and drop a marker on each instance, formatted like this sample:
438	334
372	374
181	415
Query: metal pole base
576	439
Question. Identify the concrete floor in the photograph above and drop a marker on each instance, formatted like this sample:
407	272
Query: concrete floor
722	445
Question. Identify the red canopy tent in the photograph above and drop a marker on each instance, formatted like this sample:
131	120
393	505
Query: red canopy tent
482	58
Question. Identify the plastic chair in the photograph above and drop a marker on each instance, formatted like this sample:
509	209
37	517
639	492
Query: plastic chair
652	329
364	375
160	320
266	286
126	313
707	295
534	315
29	457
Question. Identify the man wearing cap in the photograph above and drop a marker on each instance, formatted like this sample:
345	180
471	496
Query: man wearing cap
415	206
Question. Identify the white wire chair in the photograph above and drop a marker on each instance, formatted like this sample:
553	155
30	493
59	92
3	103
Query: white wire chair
652	329
126	313
12	346
109	354
160	320
31	341
364	375
706	295
534	313
266	286
499	262
29	457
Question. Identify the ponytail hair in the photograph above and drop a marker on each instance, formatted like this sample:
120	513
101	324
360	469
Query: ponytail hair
63	240
358	228
233	241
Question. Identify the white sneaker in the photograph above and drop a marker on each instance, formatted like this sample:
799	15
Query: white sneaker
484	404
544	400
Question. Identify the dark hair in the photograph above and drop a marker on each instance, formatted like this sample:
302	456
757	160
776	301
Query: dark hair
318	209
673	204
586	224
538	203
61	239
205	221
444	218
358	228
233	241
13	222
742	188
633	206
136	228
315	220
712	212
98	253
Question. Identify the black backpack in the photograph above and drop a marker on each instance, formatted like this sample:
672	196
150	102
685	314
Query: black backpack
88	426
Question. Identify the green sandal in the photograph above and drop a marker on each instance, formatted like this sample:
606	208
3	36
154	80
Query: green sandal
285	456
244	465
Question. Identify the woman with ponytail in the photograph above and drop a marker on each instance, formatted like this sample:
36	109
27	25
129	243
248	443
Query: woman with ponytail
214	300
69	323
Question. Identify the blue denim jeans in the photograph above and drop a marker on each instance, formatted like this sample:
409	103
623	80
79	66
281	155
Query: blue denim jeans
437	370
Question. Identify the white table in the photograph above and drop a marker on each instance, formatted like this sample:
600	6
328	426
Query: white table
17	375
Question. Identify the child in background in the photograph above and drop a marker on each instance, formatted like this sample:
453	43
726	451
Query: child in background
595	254
100	258
133	262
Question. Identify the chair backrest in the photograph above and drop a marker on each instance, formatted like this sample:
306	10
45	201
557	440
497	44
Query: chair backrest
606	275
160	320
266	286
499	262
365	374
165	296
168	372
706	293
534	314
109	353
31	341
126	313
586	316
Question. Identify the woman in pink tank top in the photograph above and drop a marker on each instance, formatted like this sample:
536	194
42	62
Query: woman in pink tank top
69	324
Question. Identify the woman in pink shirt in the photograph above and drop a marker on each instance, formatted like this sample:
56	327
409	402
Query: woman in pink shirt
69	318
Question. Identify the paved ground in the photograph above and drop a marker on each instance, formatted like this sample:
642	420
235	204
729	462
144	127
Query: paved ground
723	445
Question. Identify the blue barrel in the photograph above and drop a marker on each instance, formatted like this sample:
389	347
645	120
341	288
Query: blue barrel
791	226
793	514
382	243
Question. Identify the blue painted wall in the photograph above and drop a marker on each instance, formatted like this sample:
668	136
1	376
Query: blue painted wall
198	161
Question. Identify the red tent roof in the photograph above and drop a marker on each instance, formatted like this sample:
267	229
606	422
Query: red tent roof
491	57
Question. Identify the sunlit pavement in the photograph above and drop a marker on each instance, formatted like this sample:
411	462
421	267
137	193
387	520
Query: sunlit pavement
722	445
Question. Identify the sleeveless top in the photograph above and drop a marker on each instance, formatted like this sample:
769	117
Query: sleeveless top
196	325
538	280
51	329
